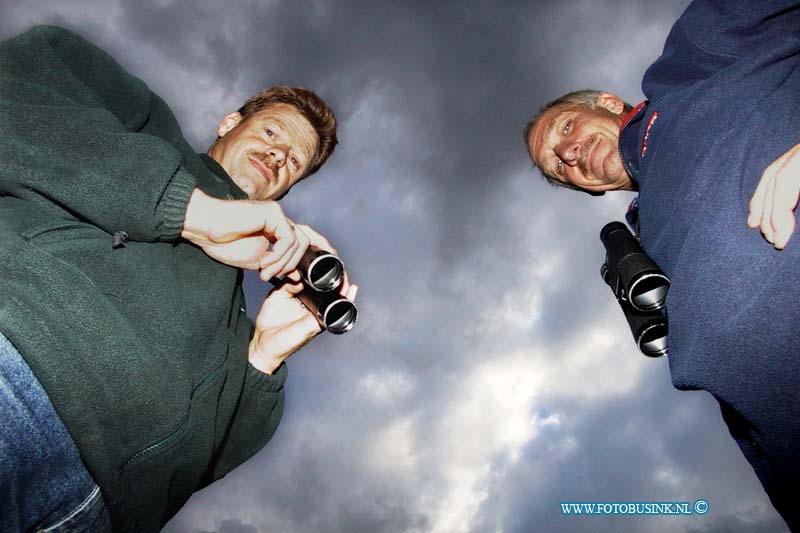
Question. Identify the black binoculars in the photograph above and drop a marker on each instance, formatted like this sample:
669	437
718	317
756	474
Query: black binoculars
323	274
639	286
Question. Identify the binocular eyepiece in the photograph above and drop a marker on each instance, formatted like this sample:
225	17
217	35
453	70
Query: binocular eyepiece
639	286
323	274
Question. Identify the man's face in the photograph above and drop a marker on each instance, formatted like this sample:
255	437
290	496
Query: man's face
579	146
266	153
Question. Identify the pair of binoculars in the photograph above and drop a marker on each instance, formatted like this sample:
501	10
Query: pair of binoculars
323	274
639	286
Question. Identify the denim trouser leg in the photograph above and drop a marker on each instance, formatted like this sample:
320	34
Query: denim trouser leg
43	483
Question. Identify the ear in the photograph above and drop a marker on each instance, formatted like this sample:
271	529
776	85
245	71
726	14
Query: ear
611	102
228	123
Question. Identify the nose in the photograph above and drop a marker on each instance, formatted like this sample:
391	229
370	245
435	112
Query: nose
277	155
568	151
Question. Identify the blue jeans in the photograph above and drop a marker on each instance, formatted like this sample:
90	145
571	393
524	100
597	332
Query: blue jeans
43	483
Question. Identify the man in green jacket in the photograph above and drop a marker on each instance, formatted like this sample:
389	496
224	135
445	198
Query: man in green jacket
120	272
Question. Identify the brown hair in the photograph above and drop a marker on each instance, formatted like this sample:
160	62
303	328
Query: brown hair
311	106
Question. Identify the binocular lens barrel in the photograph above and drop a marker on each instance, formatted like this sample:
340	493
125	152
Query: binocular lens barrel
616	236
639	286
340	316
333	311
648	292
632	275
649	330
653	340
322	270
323	274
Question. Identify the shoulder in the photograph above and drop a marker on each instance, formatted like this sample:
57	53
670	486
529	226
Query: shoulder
46	35
733	28
714	34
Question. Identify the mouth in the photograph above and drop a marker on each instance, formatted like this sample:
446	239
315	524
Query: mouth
594	162
262	169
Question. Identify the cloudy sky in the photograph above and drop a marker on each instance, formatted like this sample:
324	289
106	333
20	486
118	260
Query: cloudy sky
491	375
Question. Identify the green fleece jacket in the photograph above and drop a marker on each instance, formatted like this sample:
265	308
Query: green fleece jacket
139	338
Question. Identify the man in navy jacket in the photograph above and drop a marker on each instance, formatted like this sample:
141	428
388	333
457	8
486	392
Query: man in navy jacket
713	149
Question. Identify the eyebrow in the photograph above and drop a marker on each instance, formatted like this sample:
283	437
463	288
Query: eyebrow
551	122
275	122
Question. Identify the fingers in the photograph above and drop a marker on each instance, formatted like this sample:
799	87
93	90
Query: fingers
351	293
343	288
757	201
273	263
766	214
281	232
773	203
784	233
784	201
291	283
232	231
302	245
289	246
293	287
317	240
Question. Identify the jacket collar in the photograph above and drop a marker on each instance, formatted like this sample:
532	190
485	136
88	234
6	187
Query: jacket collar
219	173
629	139
633	113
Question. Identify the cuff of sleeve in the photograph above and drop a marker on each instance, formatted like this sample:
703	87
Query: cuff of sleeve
266	382
171	208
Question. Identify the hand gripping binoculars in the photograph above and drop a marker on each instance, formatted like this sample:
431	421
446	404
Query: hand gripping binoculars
639	286
323	274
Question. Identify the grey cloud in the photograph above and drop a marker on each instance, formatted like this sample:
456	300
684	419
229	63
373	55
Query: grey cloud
232	525
477	280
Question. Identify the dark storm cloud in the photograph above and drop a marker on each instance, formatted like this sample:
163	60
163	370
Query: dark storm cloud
463	77
491	375
232	525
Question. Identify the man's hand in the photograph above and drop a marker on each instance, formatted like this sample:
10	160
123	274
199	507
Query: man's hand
244	234
284	325
317	240
772	205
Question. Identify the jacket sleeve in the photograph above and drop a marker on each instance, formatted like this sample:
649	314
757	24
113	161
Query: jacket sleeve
255	421
713	34
71	122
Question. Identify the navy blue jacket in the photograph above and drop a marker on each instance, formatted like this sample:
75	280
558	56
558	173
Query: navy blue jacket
724	102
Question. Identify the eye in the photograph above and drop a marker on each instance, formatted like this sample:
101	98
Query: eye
567	127
269	132
295	163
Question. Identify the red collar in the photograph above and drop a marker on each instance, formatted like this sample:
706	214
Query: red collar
632	113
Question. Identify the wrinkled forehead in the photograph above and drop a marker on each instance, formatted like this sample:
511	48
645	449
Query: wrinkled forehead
288	118
542	132
286	115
